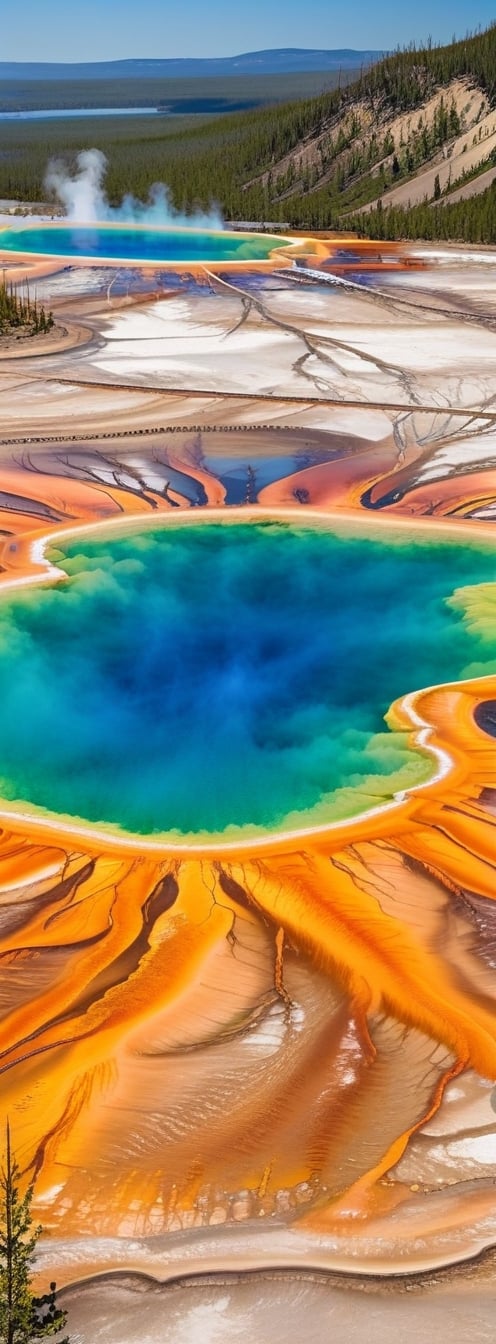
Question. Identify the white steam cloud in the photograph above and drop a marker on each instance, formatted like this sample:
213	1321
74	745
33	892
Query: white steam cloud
83	195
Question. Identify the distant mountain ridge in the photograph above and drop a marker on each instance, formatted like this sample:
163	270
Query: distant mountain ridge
284	60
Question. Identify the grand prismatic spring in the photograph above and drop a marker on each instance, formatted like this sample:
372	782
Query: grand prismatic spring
248	781
138	243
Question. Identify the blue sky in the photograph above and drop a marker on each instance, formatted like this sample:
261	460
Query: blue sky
78	30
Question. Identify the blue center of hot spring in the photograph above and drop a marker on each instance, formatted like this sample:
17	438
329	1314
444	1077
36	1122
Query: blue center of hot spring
192	678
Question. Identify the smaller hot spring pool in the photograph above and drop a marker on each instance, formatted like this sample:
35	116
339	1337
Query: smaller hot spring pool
139	243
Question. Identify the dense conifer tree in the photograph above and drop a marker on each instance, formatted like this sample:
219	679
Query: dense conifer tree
24	1318
18	311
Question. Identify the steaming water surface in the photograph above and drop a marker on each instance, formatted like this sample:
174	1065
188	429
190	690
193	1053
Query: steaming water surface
190	679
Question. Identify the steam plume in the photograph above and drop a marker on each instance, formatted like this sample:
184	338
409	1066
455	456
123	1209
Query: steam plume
83	195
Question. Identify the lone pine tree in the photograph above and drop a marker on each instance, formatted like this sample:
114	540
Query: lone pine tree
24	1318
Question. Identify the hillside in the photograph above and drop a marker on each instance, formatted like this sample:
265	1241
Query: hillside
417	129
408	149
284	60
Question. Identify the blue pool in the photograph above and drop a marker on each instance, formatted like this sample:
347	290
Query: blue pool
139	243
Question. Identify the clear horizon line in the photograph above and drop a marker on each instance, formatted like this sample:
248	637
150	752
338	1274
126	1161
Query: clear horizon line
254	51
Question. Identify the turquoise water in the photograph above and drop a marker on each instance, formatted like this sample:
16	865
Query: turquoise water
196	678
139	243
